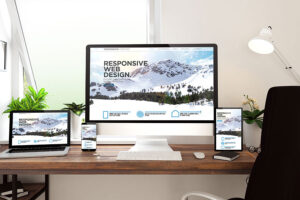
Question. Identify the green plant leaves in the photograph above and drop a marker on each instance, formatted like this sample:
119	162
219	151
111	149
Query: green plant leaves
257	113
247	112
32	101
249	121
77	109
259	123
251	117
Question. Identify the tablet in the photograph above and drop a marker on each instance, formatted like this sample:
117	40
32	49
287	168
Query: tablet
228	129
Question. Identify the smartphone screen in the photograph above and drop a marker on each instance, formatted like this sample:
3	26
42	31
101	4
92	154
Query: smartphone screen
88	137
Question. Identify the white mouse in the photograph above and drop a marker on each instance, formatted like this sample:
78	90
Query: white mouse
199	155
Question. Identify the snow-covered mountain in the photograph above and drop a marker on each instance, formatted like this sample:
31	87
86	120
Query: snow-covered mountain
158	77
43	125
90	133
233	124
164	72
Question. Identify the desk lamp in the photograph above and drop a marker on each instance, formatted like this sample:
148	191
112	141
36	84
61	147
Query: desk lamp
263	44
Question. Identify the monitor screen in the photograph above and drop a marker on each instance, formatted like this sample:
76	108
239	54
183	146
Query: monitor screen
39	128
228	129
138	83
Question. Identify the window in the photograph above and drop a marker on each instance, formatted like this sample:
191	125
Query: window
51	36
57	31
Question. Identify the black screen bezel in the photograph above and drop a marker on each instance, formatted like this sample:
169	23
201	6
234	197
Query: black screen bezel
215	128
88	124
87	88
46	145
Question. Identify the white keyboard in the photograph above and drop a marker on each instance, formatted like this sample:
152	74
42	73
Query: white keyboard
148	155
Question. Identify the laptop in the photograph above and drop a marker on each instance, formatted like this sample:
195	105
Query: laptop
38	134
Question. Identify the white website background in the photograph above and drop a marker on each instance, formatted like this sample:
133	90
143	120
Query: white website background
228	129
39	128
88	136
152	84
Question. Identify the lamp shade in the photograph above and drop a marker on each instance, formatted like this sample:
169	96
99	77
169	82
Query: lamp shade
262	44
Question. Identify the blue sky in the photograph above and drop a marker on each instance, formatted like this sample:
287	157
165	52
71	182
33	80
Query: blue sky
192	56
58	116
187	57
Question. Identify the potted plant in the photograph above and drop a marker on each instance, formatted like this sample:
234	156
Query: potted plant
33	100
252	116
76	119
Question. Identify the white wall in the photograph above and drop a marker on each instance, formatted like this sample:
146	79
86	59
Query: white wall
230	24
141	187
5	77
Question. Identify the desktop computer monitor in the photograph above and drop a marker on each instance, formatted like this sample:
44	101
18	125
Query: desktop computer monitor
151	83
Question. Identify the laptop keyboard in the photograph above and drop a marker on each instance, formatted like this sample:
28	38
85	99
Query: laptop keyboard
36	149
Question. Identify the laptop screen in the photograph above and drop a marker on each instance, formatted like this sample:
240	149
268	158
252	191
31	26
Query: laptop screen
39	128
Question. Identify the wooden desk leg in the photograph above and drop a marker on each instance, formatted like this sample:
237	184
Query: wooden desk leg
14	186
46	187
4	181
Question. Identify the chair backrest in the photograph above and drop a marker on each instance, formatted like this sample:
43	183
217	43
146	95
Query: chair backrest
276	172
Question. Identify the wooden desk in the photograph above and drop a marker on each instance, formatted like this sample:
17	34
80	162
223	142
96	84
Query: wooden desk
78	162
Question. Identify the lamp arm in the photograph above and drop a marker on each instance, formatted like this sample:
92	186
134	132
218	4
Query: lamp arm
286	64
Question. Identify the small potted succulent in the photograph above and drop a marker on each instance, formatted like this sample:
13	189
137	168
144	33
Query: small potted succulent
76	118
252	116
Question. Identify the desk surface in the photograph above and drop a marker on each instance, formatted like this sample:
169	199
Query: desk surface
78	162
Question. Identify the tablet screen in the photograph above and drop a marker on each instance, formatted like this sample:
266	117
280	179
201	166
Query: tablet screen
228	129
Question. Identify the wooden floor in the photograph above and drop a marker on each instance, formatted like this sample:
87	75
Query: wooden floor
103	161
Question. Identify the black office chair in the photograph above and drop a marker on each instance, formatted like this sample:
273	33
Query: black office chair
276	171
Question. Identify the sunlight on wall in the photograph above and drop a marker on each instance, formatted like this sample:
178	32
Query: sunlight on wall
57	33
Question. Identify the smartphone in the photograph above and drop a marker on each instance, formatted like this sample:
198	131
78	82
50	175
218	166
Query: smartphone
88	137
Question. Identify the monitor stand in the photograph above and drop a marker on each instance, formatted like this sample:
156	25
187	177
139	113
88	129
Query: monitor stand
151	145
150	149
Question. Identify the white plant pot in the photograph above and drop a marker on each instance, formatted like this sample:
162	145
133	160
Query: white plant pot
75	126
252	135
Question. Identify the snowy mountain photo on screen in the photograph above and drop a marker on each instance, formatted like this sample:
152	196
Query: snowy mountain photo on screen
40	128
232	123
172	79
89	132
229	129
